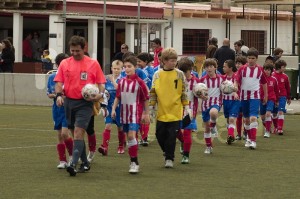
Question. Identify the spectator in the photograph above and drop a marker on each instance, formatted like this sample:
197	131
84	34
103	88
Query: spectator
212	47
244	48
27	50
224	53
119	55
47	62
277	53
7	57
238	49
156	46
36	46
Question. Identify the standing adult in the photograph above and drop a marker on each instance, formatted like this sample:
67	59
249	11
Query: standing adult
224	53
73	74
36	46
244	48
27	50
7	57
277	53
238	49
212	47
156	46
119	55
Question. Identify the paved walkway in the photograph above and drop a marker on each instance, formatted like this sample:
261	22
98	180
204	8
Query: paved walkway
294	107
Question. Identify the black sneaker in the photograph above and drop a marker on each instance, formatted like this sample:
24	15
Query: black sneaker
238	137
84	167
71	170
230	139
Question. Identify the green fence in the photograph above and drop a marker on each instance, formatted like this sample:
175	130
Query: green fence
293	77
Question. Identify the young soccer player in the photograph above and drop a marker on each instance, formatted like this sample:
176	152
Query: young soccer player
143	60
273	95
60	122
240	61
111	86
186	66
211	105
284	88
231	102
132	92
169	93
249	77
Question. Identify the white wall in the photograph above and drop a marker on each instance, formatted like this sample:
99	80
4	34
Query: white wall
24	89
217	27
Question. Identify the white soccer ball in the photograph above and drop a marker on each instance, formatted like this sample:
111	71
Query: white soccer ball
200	90
89	90
227	87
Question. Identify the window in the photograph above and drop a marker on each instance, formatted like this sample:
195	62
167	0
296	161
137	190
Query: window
255	38
194	41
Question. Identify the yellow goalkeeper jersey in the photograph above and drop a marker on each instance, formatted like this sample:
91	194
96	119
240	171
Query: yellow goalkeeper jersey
169	93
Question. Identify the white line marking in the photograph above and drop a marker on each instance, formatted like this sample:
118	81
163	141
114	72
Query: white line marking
27	147
25	129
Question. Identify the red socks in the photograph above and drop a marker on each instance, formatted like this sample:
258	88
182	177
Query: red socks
207	137
187	137
230	129
145	131
61	149
106	138
132	148
92	142
121	137
69	145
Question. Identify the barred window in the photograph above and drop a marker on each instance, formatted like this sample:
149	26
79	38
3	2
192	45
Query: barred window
194	41
255	38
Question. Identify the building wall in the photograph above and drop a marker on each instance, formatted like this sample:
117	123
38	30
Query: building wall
217	29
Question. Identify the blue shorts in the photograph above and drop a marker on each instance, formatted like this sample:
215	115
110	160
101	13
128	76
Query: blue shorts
250	107
191	126
231	108
281	105
267	107
205	114
59	118
131	127
116	121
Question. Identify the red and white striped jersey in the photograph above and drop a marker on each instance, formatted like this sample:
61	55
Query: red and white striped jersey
229	96
249	79
132	93
214	92
193	101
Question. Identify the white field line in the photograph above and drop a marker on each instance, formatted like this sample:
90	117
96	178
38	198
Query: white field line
22	129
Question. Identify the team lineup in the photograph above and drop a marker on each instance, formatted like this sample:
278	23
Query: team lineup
167	93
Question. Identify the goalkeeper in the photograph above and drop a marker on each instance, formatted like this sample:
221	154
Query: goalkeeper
168	92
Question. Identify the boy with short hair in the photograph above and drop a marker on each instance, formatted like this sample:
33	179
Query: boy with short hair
65	141
273	94
185	136
231	102
132	92
284	88
143	60
111	86
249	77
240	61
167	82
212	103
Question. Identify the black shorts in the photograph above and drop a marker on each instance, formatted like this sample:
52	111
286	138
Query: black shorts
78	112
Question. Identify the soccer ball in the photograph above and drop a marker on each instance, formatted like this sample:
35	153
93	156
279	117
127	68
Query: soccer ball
200	90
89	90
227	87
